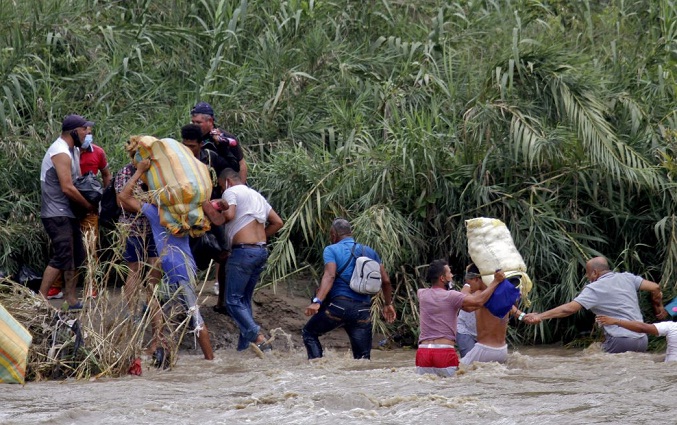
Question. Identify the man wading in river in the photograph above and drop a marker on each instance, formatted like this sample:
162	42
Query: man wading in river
438	308
336	304
610	294
490	330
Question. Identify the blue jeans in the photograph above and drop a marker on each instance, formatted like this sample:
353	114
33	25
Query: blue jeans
243	269
354	316
184	293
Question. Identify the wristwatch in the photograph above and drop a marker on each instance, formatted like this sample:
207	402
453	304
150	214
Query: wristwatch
317	301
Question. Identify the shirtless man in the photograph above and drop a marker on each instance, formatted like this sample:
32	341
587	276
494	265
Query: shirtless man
438	308
491	330
250	221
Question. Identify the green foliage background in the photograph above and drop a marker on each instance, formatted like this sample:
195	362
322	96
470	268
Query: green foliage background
405	117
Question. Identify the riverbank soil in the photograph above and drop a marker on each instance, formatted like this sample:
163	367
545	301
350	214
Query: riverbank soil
278	310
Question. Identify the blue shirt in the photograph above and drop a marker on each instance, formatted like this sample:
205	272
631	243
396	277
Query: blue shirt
340	254
177	260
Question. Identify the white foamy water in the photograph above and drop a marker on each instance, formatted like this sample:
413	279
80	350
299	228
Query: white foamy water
536	386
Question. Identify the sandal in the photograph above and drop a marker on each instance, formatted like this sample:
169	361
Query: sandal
261	348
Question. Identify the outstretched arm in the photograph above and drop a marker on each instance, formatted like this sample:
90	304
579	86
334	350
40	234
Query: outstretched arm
656	298
630	325
564	310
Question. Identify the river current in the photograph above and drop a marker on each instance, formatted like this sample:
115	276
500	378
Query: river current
538	385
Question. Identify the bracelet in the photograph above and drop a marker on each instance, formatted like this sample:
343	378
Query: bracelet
521	316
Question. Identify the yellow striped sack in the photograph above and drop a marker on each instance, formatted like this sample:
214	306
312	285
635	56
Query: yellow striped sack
179	184
14	343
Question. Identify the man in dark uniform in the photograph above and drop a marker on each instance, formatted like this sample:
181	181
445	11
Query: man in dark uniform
218	140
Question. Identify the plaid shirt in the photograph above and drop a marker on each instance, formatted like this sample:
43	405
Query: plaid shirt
138	224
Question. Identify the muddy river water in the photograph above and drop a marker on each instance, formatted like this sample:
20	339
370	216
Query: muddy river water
538	385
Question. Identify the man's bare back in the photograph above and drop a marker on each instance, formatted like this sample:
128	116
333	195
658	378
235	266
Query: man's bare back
491	330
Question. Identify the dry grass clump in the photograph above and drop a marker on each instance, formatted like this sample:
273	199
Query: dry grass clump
101	340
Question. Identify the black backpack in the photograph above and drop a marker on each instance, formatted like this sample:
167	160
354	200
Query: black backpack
110	209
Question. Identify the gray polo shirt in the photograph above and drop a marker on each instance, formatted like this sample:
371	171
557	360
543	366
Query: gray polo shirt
614	295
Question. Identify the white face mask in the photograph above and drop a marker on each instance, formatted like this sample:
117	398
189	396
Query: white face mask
87	142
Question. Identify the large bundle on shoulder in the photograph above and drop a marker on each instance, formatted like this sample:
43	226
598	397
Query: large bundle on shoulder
14	343
491	247
178	182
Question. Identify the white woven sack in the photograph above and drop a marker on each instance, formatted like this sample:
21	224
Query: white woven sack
491	247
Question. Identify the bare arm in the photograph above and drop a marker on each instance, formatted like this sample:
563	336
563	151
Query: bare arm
243	170
126	196
656	298
275	223
630	325
563	310
229	214
467	291
62	166
388	309
477	299
106	176
326	284
212	214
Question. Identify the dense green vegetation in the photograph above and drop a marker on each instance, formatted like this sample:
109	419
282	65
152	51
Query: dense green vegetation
405	117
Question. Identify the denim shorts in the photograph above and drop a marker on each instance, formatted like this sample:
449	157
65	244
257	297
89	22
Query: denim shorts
139	249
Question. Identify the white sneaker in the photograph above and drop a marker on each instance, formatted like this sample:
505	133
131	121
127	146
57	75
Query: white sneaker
216	288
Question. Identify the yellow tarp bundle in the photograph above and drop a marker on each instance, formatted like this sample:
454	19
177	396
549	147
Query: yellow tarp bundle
491	247
179	182
14	343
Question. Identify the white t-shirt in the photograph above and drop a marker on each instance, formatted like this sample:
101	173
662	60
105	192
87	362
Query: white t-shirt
466	323
251	205
669	331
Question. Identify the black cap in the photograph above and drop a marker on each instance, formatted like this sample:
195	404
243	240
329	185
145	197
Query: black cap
202	108
72	122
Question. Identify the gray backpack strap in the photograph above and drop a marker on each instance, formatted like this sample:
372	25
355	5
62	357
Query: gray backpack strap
345	266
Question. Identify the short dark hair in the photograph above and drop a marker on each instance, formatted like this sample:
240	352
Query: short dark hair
435	270
342	227
229	173
191	132
471	272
